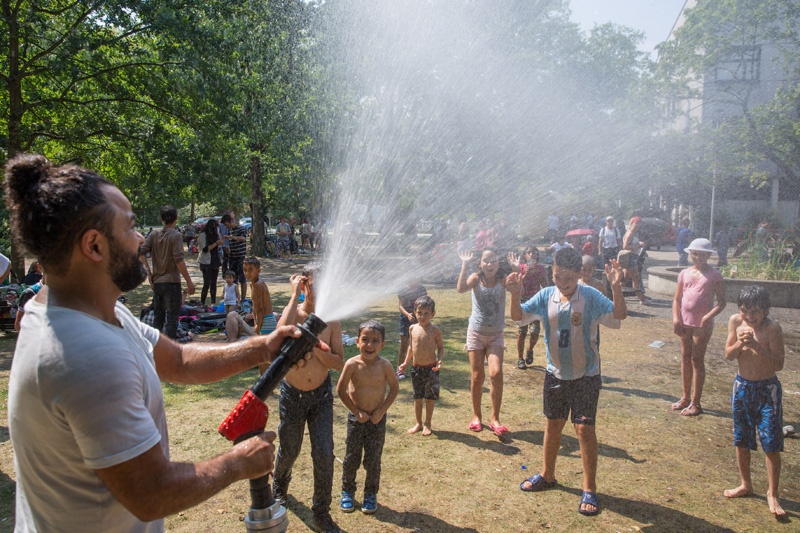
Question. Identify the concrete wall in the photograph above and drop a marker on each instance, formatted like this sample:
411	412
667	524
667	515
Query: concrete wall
739	211
663	280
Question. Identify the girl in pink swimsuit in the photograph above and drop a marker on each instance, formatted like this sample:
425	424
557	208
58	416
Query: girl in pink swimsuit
693	313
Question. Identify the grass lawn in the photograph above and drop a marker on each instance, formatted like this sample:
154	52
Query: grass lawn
658	471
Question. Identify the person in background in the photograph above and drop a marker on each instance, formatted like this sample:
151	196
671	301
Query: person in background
34	274
693	312
610	240
5	268
755	342
208	243
165	247
682	240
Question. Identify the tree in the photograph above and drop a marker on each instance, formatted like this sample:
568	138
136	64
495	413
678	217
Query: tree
740	61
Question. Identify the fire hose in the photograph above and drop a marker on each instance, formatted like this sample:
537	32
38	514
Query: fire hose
249	418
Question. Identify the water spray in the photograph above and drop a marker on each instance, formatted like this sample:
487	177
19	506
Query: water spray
249	418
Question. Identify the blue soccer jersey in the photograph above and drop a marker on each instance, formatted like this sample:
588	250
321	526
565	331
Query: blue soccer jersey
570	329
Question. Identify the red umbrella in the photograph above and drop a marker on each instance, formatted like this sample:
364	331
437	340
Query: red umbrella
580	231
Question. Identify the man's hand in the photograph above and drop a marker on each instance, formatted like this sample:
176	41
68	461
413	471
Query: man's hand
362	416
274	340
189	287
256	455
375	417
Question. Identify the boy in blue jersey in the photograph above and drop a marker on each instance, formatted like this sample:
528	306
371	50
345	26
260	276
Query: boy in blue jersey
569	313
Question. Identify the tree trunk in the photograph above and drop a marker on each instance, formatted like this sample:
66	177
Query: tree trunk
258	243
15	112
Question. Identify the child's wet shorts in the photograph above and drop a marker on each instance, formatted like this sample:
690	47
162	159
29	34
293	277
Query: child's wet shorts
536	327
425	381
576	395
404	324
268	324
476	341
757	406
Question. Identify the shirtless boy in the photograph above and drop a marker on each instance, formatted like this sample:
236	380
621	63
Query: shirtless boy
362	389
587	276
426	350
307	397
756	343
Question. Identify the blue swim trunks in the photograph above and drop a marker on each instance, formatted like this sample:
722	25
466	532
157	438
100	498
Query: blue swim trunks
757	406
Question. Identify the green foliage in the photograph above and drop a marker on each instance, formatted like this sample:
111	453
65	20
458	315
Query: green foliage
780	263
751	120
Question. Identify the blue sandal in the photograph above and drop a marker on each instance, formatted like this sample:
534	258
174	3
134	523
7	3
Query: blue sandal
538	484
590	498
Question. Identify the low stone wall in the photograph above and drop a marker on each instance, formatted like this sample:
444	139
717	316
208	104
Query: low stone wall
663	280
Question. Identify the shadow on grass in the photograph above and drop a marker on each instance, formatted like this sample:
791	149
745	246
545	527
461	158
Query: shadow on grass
502	447
4	434
413	521
571	447
657	518
667	397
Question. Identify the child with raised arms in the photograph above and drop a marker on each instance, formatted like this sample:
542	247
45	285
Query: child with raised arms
570	313
405	302
426	351
755	342
693	313
306	402
485	333
362	387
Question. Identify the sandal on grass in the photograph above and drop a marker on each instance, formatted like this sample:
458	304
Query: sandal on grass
681	404
537	484
693	409
589	498
475	426
521	364
498	429
529	357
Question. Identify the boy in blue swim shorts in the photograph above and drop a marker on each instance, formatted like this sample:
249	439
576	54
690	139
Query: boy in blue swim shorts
570	313
756	343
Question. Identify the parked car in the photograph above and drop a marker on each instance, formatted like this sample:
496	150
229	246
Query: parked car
200	223
656	233
246	223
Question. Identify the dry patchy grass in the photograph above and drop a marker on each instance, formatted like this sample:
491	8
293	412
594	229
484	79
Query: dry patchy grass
658	471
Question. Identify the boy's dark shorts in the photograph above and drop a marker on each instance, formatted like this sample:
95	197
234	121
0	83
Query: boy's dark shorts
404	324
536	327
757	406
578	396
425	381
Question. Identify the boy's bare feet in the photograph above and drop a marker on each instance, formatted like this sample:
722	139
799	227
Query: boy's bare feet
739	492
426	431
775	507
416	428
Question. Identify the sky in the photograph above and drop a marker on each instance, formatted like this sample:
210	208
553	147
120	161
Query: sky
654	17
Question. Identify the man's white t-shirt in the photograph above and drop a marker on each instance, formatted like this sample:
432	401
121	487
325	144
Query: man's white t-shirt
83	395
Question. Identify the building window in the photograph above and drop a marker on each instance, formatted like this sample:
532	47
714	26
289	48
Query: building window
742	64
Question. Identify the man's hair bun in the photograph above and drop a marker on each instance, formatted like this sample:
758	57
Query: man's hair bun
24	174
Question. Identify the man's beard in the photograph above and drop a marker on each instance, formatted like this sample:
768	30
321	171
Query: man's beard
126	271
